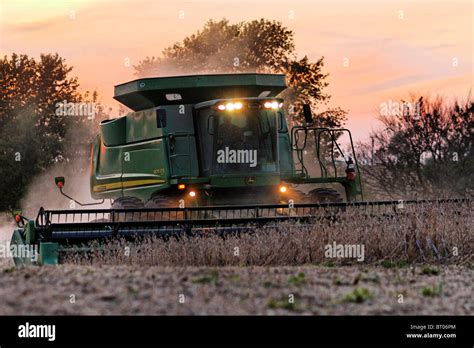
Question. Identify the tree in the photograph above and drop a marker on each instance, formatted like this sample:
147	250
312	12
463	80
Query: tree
221	47
20	151
32	134
427	153
257	46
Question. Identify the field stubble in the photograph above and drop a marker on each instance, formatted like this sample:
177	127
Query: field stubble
423	260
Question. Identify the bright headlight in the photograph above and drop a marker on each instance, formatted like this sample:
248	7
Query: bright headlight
230	106
272	105
239	105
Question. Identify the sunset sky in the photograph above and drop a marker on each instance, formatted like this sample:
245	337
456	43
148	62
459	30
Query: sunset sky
393	48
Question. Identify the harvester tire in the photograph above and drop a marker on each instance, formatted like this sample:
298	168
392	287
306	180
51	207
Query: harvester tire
161	201
127	203
324	195
164	201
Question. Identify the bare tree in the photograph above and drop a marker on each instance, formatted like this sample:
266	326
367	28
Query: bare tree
422	151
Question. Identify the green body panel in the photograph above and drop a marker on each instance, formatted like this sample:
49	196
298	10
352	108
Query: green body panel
49	253
181	140
148	156
141	126
236	181
113	131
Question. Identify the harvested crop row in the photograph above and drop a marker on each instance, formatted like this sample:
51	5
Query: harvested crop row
433	233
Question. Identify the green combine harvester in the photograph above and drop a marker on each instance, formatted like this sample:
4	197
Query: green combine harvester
207	140
199	153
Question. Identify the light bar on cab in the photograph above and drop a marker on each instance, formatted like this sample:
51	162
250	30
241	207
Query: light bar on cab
272	105
269	104
230	106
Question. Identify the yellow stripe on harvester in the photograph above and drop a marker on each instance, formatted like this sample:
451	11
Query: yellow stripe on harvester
130	183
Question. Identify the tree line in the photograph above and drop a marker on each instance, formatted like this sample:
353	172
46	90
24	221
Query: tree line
410	156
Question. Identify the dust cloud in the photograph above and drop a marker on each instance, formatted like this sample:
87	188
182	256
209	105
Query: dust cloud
7	225
43	191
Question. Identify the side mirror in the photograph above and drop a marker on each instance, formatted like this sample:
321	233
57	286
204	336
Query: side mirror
308	116
59	180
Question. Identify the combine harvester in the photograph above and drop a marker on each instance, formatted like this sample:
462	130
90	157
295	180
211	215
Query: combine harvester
202	153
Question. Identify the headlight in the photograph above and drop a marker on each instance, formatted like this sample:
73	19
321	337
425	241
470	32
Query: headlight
272	105
230	106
